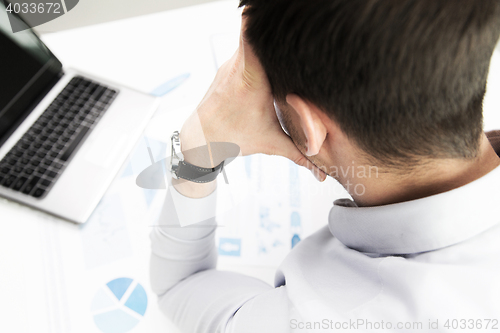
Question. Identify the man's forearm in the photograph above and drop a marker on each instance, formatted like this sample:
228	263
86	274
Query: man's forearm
178	252
183	241
195	296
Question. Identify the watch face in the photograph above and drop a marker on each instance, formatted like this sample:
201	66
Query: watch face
173	171
176	155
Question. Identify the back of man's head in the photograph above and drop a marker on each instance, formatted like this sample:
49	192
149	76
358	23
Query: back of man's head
404	79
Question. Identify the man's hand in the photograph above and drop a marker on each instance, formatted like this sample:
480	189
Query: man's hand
238	108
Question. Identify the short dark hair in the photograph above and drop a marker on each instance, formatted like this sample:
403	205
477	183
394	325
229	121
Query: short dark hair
403	79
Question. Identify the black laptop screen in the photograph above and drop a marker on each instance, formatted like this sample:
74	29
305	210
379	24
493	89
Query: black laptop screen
27	71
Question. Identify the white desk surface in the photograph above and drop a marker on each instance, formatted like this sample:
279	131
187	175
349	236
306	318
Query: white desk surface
51	269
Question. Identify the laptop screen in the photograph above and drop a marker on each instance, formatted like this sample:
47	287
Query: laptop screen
27	72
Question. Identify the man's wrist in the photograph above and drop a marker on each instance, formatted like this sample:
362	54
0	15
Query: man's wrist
195	151
194	148
194	190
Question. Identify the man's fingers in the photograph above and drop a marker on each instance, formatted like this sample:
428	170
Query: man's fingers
285	147
317	173
253	70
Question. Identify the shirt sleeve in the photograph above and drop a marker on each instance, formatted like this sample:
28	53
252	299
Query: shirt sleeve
191	292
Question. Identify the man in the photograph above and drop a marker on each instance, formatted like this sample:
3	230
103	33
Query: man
394	84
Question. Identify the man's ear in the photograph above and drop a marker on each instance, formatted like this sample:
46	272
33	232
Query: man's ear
310	122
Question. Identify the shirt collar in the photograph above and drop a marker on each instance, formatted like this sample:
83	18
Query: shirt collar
420	225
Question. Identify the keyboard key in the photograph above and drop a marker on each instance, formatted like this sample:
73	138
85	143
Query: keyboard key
31	185
12	161
29	171
19	183
56	166
93	88
18	153
10	154
38	192
45	182
5	170
9	181
35	163
74	144
51	174
24	161
47	162
17	169
98	94
31	153
51	114
41	171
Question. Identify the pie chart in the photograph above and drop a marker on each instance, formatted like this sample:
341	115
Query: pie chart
119	306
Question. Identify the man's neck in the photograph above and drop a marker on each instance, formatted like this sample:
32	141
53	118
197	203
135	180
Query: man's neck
432	178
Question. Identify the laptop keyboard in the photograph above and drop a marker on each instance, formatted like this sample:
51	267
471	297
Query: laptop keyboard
40	156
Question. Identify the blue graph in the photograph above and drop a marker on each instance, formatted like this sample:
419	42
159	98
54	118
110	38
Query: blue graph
119	306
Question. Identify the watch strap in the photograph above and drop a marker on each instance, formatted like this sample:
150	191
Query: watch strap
198	174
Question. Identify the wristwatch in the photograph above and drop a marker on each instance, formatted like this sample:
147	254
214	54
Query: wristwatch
182	169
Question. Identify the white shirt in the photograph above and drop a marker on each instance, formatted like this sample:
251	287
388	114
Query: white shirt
430	265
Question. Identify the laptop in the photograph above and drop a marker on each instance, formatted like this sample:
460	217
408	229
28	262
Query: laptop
64	135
